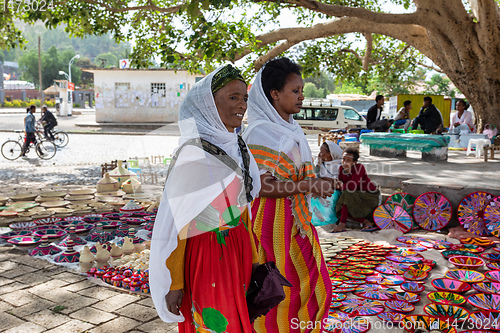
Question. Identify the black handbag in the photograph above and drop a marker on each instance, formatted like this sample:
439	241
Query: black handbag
265	290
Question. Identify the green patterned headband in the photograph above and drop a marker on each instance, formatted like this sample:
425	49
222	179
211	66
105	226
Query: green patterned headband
227	74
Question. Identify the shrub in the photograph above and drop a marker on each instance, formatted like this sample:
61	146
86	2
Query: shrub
76	105
50	104
36	102
8	104
24	104
17	103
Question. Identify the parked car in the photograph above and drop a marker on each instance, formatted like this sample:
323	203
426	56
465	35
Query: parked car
317	116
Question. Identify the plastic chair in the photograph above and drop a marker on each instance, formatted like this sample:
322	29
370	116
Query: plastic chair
480	144
133	163
399	130
417	131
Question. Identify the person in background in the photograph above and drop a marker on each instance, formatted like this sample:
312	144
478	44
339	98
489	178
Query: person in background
403	116
327	167
373	120
359	196
429	118
462	119
50	122
29	129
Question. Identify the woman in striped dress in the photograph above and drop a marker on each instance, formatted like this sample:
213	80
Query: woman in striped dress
281	216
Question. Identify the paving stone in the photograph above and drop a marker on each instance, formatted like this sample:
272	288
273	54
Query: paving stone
138	312
33	279
49	285
35	306
158	326
72	326
17	271
147	301
18	297
26	327
48	318
76	303
69	277
52	270
8	321
30	261
92	315
58	296
100	293
8	265
8	288
4	281
4	306
85	284
120	324
114	303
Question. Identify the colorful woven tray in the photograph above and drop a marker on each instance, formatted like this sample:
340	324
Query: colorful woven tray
432	211
471	212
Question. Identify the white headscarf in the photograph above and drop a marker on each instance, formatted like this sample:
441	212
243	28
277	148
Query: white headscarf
192	184
335	150
330	168
267	128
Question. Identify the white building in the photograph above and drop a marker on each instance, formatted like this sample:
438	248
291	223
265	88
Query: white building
140	96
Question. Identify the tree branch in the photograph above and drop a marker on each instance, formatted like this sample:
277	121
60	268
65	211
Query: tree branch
151	7
341	11
368	51
353	52
439	70
277	50
413	35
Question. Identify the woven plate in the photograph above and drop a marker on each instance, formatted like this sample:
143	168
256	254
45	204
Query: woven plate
492	216
55	204
405	200
390	216
432	211
471	212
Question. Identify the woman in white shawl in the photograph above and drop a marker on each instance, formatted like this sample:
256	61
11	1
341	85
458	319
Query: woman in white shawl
281	216
202	251
327	167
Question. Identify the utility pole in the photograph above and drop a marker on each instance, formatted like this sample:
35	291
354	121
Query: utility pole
40	69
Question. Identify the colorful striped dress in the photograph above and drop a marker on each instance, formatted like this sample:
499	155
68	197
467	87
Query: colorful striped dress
284	234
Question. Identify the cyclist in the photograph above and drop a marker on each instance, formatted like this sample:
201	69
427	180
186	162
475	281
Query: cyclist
29	129
50	123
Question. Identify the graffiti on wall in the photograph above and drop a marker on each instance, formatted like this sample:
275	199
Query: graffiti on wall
125	95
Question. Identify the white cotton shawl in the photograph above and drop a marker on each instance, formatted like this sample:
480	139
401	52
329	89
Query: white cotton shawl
267	128
192	184
335	150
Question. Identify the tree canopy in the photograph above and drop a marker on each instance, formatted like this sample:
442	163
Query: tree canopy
461	39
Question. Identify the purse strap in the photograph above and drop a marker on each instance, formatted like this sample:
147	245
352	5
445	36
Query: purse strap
222	156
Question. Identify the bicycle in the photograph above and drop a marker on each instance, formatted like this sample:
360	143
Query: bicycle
13	149
61	138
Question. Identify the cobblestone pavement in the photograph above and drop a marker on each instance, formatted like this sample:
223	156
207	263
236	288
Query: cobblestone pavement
36	296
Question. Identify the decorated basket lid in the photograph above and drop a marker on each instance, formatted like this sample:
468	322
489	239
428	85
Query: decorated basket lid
131	206
106	180
131	185
121	174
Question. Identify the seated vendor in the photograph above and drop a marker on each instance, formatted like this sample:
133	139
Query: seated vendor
359	196
429	118
327	167
402	118
462	119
